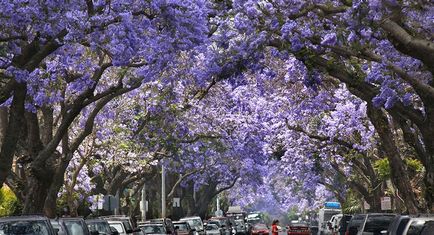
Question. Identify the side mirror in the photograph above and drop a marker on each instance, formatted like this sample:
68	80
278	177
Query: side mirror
129	231
57	231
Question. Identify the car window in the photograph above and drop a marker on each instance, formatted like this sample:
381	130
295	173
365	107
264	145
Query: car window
402	225
99	226
260	226
24	228
153	229
415	227
211	227
74	227
118	227
182	226
377	223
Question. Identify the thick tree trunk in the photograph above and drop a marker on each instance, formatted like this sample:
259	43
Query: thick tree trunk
37	189
428	139
58	181
12	133
399	173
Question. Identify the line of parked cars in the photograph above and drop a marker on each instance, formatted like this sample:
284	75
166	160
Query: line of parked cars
381	224
40	225
122	225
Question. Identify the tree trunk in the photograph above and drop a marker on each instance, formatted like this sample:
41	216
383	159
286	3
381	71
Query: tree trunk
37	189
399	173
13	131
58	181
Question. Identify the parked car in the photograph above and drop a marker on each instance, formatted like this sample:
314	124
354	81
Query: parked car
153	228
35	225
123	225
406	224
170	228
223	223
355	224
298	228
416	224
260	229
74	225
196	223
241	227
213	229
99	225
376	223
343	224
183	228
428	228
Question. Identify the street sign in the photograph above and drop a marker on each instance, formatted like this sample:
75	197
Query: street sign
176	202
219	213
110	203
386	203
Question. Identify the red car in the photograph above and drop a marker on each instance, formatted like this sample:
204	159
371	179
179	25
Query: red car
260	229
298	228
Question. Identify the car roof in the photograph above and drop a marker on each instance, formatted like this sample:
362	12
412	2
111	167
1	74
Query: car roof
23	218
95	220
191	217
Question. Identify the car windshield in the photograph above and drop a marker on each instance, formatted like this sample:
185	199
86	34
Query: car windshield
182	226
195	223
74	227
378	223
260	226
101	227
212	227
153	229
24	228
239	222
118	227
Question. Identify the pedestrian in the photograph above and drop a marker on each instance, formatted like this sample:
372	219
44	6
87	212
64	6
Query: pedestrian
274	227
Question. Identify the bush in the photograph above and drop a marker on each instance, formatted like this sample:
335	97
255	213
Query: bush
9	204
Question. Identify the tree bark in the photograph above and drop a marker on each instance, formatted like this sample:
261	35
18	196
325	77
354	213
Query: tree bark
13	131
399	173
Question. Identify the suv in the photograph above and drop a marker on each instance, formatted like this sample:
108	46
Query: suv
170	229
99	226
405	224
36	225
153	228
195	222
416	224
122	224
74	226
376	223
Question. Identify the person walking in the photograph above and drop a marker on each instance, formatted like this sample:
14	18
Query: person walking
275	227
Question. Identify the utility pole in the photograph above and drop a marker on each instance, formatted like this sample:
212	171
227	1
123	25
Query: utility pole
144	203
163	192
